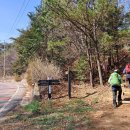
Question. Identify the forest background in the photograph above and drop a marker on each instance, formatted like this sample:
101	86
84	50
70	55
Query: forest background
90	37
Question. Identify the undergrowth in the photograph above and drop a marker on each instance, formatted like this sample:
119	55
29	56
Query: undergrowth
46	115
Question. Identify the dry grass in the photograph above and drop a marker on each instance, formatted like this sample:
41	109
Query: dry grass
29	77
41	70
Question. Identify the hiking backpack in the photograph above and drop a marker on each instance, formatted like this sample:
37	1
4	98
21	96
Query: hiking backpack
115	79
127	68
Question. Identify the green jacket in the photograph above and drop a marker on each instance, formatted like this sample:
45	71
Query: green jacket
115	79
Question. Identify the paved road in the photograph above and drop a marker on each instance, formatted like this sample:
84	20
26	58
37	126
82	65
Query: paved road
11	93
7	90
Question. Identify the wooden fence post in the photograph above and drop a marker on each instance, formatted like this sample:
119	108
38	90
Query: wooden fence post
69	83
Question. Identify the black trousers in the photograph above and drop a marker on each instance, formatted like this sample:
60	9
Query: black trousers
129	82
116	89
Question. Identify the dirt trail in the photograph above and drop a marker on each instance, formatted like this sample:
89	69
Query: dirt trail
105	117
108	118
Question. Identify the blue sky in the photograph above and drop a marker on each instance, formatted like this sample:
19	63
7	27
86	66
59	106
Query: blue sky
13	16
126	3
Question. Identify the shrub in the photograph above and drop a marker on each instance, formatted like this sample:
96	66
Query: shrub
41	70
17	78
34	107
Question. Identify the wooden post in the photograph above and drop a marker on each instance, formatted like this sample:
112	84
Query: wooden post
69	83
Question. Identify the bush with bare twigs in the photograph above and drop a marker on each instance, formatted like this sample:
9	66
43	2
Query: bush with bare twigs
39	70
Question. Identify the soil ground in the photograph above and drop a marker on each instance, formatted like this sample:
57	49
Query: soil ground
108	118
105	117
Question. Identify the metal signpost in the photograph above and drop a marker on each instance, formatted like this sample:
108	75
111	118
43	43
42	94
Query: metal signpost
49	89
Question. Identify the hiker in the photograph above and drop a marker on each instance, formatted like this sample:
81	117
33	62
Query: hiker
127	72
115	81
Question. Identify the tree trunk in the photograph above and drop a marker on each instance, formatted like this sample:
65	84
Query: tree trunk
90	62
97	53
99	66
99	71
84	40
90	67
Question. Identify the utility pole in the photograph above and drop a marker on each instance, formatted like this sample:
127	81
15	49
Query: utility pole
4	62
